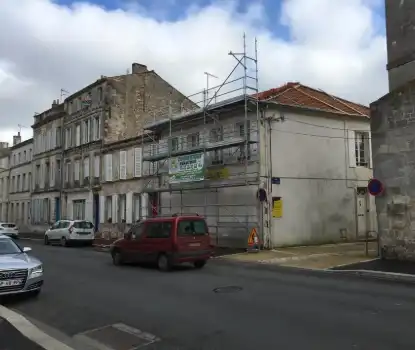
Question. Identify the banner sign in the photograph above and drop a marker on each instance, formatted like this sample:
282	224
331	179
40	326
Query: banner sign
187	168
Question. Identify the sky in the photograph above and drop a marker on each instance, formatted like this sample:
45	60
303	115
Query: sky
338	46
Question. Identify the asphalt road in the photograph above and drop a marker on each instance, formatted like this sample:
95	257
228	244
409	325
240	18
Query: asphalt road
274	310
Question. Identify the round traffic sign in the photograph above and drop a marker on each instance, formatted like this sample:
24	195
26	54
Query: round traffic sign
375	187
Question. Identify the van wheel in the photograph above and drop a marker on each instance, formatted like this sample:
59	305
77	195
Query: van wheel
163	263
46	240
117	258
199	264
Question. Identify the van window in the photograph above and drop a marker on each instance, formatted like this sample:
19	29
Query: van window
192	227
83	225
159	229
136	230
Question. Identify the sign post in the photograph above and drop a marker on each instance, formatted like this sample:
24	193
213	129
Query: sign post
375	187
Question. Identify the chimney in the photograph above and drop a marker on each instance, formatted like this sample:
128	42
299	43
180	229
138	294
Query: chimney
55	103
138	68
4	145
17	139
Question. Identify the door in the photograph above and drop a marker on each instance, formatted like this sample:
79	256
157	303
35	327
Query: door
131	247
96	211
156	238
57	209
362	210
53	231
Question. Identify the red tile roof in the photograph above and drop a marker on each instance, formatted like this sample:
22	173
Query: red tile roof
298	95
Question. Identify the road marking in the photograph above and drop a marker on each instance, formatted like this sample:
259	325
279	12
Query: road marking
30	331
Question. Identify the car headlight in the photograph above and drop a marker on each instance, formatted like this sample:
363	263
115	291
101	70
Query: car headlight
36	271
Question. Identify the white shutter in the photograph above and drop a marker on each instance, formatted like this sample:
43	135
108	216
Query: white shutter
52	174
76	170
86	167
123	165
108	167
352	151
78	135
114	208
129	207
144	205
53	141
370	150
138	162
102	209
96	166
89	210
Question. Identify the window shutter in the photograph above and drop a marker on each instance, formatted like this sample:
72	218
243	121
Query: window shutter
86	167
52	174
53	141
114	208
123	165
96	166
108	165
138	161
352	151
129	208
370	150
144	205
76	170
102	209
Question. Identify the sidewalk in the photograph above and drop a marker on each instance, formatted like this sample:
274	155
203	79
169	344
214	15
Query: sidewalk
312	257
12	339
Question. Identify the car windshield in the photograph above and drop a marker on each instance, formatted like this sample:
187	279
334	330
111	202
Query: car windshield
8	246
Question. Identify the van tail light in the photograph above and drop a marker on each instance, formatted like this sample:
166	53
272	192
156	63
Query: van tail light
70	229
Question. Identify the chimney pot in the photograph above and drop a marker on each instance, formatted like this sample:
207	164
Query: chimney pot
138	68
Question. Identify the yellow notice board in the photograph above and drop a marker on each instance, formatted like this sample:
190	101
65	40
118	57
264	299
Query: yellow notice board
217	173
276	207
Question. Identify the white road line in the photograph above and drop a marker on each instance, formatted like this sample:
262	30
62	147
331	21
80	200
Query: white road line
30	331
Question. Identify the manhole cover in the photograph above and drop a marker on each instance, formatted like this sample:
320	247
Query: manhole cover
229	289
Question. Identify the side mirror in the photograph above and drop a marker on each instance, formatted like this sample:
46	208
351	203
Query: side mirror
27	249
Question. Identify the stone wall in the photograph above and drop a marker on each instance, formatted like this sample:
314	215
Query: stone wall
393	147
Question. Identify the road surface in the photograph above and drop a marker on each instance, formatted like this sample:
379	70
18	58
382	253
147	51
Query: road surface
267	310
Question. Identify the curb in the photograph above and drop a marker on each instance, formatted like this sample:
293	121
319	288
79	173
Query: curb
379	275
30	331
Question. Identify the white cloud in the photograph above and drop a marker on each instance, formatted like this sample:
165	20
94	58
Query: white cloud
334	46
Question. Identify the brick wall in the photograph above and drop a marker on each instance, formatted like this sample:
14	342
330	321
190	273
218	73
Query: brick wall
137	99
393	147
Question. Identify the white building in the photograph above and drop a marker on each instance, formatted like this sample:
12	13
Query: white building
308	150
4	180
20	164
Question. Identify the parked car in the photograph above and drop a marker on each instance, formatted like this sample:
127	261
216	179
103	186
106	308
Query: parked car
65	232
19	272
9	229
166	241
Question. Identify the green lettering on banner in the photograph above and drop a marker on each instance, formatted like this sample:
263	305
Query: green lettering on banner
187	168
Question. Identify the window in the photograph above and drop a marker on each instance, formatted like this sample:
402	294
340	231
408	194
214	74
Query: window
87	131
24	156
37	175
108	167
97	128
136	230
47	173
24	185
158	229
20	157
68	138
86	168
14	159
30	154
96	166
240	129
67	171
362	148
123	207
78	135
18	184
58	172
192	227
76	171
123	165
138	155
136	207
86	225
108	208
193	140
58	136
79	209
174	142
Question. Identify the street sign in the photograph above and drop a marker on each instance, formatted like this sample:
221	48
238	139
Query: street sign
253	241
375	187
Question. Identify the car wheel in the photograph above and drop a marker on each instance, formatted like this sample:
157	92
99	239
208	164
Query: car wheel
199	264
163	263
117	258
64	242
46	240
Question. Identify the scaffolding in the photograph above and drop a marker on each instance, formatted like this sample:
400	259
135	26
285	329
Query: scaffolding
218	133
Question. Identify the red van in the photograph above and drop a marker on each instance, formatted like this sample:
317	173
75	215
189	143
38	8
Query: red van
166	241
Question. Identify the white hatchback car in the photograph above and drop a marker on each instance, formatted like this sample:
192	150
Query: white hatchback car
67	231
9	229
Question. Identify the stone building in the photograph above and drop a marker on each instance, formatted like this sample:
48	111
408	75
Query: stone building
393	137
46	166
110	110
4	180
20	165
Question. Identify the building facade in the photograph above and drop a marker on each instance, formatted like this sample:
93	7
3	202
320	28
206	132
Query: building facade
20	186
46	167
110	110
4	181
263	164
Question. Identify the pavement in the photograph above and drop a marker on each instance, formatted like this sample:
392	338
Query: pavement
12	339
89	301
312	257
